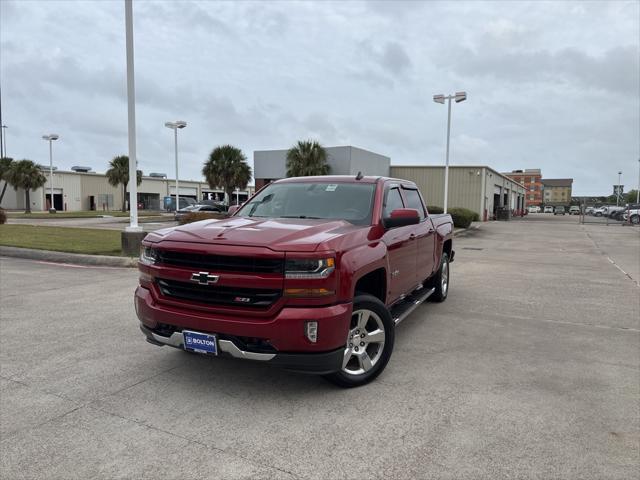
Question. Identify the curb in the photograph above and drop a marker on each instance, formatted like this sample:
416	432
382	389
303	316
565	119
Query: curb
63	257
464	232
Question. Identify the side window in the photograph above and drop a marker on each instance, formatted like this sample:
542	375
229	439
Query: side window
392	202
413	201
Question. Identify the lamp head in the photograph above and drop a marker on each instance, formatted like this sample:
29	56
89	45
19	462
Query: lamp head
181	123
460	97
438	98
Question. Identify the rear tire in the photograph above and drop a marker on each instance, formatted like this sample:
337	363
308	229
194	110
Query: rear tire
369	343
440	281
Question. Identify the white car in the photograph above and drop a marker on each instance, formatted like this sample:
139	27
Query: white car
548	209
600	211
632	215
534	209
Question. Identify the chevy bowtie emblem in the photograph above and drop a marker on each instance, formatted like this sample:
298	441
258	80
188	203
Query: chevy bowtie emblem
203	278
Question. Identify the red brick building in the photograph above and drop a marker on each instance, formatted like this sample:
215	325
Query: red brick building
531	178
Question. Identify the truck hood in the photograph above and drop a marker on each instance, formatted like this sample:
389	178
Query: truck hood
279	234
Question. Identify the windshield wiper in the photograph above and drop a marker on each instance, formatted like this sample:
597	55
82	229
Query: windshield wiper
300	216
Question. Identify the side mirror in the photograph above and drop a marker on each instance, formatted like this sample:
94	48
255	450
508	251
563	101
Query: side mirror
233	209
401	217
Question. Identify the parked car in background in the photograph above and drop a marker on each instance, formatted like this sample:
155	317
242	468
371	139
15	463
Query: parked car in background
195	208
615	212
548	209
559	211
574	210
600	211
632	214
589	210
534	209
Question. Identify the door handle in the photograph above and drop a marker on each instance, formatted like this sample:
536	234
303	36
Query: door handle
412	237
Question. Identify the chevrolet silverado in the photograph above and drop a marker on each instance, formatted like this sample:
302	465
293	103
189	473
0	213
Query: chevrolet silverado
311	274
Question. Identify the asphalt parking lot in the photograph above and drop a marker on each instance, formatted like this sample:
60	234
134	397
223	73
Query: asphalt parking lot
530	369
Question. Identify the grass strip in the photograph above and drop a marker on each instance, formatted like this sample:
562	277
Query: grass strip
62	239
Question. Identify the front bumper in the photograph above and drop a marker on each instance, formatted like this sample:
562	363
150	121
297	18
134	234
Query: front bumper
283	333
318	363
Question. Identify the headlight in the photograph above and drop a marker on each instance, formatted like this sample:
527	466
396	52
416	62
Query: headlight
148	255
309	267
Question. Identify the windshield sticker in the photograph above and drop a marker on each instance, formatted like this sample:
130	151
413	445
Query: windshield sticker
331	188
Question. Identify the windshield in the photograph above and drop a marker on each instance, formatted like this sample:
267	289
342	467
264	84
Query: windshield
352	202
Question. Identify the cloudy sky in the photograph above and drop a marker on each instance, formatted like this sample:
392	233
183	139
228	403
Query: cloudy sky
552	85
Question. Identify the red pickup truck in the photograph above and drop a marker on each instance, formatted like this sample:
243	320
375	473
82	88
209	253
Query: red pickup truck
311	274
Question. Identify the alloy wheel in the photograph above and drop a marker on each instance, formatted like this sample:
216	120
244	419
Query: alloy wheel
365	342
445	277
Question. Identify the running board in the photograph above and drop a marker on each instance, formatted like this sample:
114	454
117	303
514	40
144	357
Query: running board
403	309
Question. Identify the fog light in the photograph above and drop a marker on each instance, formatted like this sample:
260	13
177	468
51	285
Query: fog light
311	331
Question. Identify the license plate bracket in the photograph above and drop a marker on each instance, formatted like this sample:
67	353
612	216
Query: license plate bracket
199	342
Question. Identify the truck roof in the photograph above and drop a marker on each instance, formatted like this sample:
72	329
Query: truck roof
341	179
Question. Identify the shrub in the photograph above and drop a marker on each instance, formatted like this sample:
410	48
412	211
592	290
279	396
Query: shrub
435	210
462	217
3	216
198	216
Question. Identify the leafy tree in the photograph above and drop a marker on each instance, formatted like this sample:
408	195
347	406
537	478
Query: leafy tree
118	173
5	164
307	158
630	197
27	175
227	167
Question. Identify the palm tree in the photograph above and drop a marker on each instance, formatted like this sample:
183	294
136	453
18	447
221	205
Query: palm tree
5	164
118	173
307	158
26	175
227	168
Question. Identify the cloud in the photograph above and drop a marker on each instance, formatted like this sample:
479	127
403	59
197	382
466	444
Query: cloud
552	85
614	71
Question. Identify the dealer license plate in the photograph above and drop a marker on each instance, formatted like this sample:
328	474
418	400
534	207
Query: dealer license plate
200	342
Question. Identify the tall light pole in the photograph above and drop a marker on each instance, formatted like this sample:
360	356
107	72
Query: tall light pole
50	138
618	190
458	97
4	141
175	126
131	120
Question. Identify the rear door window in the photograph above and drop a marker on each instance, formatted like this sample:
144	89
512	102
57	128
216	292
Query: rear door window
414	201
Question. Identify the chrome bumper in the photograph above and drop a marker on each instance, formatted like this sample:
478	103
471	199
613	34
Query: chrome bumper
226	346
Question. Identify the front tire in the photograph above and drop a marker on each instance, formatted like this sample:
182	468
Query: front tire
369	343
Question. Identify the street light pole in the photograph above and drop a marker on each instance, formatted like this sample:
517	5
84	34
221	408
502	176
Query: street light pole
4	136
50	138
175	126
131	120
458	97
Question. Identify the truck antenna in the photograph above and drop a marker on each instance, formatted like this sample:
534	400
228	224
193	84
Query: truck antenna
359	176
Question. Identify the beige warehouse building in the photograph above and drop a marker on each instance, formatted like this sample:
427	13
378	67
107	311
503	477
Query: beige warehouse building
76	191
478	188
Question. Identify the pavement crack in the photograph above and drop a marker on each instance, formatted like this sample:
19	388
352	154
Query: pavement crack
191	440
